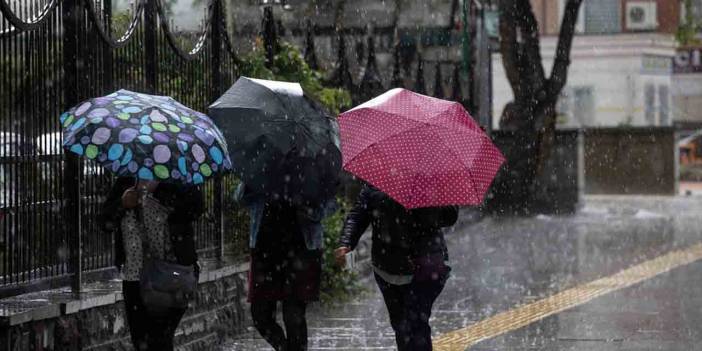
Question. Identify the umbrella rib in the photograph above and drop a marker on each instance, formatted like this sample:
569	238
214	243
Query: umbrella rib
466	167
419	159
458	159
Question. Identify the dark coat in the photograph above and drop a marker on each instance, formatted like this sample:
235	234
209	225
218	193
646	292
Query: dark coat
282	265
187	204
404	241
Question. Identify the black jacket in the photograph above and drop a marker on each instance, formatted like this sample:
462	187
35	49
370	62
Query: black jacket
187	204
402	239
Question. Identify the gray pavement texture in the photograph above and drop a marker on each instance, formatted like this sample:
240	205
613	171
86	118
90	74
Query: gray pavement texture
499	263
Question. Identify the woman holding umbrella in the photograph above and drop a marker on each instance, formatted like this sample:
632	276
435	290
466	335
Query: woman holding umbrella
285	150
161	151
158	216
409	259
286	266
419	156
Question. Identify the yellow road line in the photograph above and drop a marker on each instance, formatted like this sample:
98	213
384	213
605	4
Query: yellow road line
521	316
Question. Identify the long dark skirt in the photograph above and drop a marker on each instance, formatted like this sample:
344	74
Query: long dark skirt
284	269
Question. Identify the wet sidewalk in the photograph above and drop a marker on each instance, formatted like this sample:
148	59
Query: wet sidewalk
499	264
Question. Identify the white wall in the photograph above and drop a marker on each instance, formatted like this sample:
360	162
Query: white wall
613	66
687	94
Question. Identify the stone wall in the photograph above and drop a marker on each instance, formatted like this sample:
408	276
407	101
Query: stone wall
559	188
631	161
96	321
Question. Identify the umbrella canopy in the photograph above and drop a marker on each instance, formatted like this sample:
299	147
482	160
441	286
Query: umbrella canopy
421	151
281	142
146	136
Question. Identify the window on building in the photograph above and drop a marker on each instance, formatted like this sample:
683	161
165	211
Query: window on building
696	14
596	16
564	110
650	104
576	107
697	8
663	105
602	16
584	105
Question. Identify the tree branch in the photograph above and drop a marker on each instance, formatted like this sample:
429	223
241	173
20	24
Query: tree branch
529	29
509	46
559	73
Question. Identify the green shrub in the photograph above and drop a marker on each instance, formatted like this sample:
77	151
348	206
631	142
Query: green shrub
289	65
236	222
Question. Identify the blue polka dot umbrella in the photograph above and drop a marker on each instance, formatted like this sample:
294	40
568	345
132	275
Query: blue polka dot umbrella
146	136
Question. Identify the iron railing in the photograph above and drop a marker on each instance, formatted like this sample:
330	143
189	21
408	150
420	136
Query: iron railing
56	53
53	54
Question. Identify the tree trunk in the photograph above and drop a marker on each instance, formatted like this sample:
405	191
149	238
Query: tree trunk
530	119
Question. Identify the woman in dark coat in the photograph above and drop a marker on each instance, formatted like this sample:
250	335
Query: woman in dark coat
409	258
286	265
160	215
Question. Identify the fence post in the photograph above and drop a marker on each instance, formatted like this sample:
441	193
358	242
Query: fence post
215	91
108	83
216	42
73	22
270	39
150	46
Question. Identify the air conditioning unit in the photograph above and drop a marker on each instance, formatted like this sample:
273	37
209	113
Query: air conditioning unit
641	15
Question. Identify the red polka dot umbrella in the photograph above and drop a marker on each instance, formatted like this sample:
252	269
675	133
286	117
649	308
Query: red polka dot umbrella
421	151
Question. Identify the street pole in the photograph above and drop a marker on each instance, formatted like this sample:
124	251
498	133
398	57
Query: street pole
468	65
465	7
269	27
489	76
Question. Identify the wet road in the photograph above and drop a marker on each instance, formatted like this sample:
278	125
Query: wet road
662	313
501	264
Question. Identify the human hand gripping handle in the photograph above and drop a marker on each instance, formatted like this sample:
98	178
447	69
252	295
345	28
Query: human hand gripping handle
130	198
340	255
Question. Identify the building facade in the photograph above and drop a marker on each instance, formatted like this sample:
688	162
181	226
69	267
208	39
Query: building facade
622	66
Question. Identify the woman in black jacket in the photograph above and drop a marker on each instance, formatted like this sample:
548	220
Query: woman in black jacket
162	215
409	258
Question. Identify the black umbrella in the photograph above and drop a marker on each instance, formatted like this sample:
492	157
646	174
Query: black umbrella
280	141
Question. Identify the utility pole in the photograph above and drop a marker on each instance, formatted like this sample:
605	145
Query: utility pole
467	54
465	10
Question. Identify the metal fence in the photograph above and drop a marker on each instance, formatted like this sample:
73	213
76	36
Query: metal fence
53	54
56	53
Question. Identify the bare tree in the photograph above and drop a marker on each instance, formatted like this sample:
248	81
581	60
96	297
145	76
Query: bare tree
531	115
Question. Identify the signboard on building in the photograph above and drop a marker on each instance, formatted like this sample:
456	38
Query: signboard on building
655	64
688	60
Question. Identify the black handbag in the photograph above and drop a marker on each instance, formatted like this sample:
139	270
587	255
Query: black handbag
165	285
